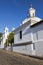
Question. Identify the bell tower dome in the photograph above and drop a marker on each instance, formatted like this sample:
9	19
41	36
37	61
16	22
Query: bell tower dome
6	30
31	12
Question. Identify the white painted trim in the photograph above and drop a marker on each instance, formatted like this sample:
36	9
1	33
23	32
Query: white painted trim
32	36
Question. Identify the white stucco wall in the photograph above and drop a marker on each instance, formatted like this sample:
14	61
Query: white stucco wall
38	39
26	36
23	49
39	48
35	34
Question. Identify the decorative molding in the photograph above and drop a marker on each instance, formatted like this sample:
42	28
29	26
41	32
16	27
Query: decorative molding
24	43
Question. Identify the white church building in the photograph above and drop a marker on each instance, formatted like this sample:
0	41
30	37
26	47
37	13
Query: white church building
28	37
4	37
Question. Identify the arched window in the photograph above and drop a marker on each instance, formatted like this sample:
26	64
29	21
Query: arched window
20	34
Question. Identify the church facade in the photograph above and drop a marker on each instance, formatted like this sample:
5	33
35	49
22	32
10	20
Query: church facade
28	37
4	37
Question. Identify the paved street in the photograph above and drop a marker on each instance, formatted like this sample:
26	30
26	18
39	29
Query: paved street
10	58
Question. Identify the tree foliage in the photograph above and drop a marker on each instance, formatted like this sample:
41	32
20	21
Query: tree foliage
6	43
1	35
10	39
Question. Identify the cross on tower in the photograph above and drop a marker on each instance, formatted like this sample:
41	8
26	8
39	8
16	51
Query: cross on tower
30	5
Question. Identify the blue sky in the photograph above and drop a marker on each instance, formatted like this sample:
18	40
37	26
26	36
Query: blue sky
13	12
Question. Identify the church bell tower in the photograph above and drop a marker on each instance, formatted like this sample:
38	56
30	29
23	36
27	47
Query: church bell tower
31	11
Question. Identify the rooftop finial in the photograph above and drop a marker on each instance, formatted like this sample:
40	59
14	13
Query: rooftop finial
31	5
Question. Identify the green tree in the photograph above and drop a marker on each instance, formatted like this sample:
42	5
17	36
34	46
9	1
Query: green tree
6	43
1	35
11	38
